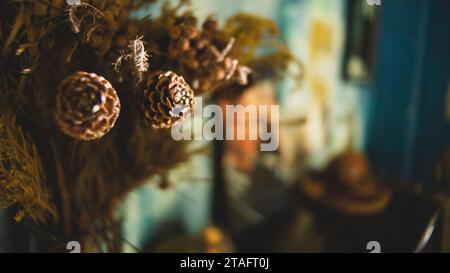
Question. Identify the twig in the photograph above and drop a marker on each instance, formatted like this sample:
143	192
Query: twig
12	35
72	52
89	33
226	50
65	198
76	22
75	26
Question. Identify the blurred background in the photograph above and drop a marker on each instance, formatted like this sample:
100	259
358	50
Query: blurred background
364	150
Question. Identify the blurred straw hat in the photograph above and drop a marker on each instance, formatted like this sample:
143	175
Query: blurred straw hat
347	186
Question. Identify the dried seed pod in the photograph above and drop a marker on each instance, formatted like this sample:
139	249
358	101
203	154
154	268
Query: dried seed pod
167	99
87	106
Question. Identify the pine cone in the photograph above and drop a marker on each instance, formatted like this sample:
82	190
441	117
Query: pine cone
166	100
87	106
206	56
181	37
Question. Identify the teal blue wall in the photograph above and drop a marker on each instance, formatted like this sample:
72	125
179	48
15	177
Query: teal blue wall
410	125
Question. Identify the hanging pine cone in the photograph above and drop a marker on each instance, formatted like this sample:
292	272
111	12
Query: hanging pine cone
166	100
87	106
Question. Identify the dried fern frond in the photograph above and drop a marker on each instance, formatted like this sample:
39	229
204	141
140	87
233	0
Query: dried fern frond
21	175
140	56
135	52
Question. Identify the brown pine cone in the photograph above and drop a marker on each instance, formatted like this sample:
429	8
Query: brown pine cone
87	106
166	99
181	37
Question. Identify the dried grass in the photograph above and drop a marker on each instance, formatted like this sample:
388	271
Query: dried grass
21	174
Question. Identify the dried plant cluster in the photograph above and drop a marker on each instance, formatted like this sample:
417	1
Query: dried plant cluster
21	175
74	187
